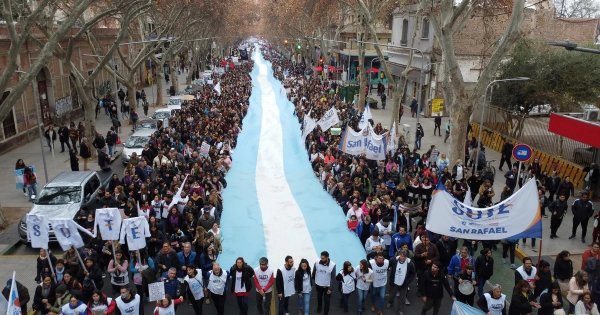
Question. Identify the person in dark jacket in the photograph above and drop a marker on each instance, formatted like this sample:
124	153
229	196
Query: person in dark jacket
50	135
402	273
73	160
447	248
63	137
45	296
85	152
507	149
92	278
484	269
566	188
511	179
21	291
583	210
43	265
550	300
166	259
563	269
522	302
558	208
545	279
241	283
432	288
99	143
104	160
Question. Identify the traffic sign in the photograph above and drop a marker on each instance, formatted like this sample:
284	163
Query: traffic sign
522	152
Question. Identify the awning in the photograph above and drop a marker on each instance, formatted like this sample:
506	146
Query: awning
396	70
574	128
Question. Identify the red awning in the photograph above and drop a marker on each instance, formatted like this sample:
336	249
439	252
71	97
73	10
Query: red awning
372	70
575	128
318	69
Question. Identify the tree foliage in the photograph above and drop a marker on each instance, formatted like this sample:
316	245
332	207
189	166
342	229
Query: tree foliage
559	77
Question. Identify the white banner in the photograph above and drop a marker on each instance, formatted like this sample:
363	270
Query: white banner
364	118
37	230
218	88
392	142
108	223
309	125
67	234
365	142
516	217
156	291
329	119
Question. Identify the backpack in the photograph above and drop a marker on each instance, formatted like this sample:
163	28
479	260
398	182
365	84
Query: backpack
591	266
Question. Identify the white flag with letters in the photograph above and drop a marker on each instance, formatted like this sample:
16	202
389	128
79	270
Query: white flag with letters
67	234
136	230
329	119
364	118
108	223
37	230
309	125
218	88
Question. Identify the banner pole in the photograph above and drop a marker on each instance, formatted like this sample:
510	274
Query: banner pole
518	176
50	264
539	254
80	260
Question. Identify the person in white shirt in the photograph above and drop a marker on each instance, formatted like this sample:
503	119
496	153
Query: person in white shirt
385	230
303	285
374	244
346	279
195	287
364	278
264	278
402	273
493	302
128	304
380	267
74	307
323	273
354	210
217	281
586	305
285	284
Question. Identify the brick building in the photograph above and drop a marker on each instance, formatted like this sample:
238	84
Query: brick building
52	94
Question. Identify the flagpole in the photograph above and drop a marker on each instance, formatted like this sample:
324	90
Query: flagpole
50	264
539	254
80	260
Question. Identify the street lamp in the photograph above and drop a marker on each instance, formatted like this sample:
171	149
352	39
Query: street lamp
485	103
573	46
39	122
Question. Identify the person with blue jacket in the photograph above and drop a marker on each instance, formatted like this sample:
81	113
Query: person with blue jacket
398	239
186	257
458	264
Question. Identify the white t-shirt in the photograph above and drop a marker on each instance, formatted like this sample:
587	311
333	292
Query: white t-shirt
380	273
263	278
363	280
288	280
216	284
401	271
131	308
323	274
348	285
495	306
195	284
136	230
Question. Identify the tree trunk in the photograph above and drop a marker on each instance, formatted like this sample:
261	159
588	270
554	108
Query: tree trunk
159	89
89	111
173	73
459	120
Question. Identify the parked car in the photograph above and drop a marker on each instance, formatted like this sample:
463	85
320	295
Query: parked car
153	124
64	195
135	143
163	114
583	156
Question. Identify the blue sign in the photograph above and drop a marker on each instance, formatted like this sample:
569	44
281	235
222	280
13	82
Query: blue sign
522	152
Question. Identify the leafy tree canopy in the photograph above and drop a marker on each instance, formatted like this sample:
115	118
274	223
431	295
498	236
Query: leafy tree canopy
564	79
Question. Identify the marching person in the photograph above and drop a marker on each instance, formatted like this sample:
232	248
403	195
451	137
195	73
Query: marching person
380	267
402	273
527	272
558	208
303	285
127	303
493	302
264	279
322	274
217	282
347	281
241	283
194	285
583	210
432	289
285	284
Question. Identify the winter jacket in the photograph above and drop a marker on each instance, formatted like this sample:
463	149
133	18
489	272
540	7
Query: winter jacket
455	262
484	267
519	304
247	274
434	285
563	269
410	271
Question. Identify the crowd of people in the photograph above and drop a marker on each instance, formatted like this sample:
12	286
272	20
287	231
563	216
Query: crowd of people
385	202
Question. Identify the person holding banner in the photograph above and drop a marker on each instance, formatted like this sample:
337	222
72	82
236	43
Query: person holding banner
117	268
45	261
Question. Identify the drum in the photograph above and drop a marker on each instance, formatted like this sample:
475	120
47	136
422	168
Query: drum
466	287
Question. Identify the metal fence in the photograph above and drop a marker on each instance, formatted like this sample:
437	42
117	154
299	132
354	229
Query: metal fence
534	132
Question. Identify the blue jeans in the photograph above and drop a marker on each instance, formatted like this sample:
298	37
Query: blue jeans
31	190
378	297
304	302
362	297
111	148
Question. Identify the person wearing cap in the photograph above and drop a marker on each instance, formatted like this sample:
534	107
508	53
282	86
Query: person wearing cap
323	274
558	208
263	278
493	302
583	210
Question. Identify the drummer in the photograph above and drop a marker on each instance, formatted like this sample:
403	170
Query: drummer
466	286
458	264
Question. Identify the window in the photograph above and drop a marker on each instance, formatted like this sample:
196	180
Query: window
404	40
425	29
8	125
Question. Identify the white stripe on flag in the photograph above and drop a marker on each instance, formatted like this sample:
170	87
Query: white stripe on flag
284	225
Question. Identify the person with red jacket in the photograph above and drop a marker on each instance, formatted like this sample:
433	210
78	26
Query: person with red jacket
167	305
100	304
264	278
592	252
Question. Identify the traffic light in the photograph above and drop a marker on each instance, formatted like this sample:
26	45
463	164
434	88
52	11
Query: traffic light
299	46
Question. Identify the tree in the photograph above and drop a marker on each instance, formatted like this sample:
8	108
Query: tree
577	8
24	23
447	19
559	78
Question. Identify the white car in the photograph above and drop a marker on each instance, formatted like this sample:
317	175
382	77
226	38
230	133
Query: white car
163	114
135	143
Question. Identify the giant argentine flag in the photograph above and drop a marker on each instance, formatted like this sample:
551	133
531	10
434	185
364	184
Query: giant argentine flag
516	217
274	205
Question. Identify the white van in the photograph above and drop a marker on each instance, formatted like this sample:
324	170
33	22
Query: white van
135	143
